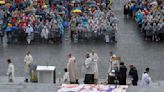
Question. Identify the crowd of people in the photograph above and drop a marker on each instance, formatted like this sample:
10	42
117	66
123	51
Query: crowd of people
47	21
149	14
95	23
71	75
22	22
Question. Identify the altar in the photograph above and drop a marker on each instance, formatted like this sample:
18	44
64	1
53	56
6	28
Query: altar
46	74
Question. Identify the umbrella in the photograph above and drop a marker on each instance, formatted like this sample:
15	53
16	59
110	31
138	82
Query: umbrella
154	3
61	12
76	11
14	28
57	1
45	6
77	8
90	2
4	26
8	30
10	25
60	7
65	23
93	5
76	1
2	2
8	5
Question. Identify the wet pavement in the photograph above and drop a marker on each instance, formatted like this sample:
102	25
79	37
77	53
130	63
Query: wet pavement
130	46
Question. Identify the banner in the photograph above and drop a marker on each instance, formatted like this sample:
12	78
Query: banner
92	88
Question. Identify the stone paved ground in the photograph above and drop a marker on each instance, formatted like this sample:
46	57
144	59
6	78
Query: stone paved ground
20	86
28	88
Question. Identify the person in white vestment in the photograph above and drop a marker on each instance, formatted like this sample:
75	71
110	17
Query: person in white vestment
11	71
146	79
89	75
66	79
95	59
72	69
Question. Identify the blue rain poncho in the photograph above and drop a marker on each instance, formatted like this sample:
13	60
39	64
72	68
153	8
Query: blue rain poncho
138	17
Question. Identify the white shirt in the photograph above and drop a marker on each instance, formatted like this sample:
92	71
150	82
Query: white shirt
72	58
146	79
89	65
66	78
29	30
28	59
94	57
10	71
44	33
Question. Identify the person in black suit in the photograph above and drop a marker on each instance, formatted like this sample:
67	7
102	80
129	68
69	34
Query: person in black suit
133	73
122	74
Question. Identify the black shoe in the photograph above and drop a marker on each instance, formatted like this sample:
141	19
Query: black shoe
10	80
26	80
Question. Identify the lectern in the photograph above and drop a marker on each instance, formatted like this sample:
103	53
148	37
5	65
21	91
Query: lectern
46	74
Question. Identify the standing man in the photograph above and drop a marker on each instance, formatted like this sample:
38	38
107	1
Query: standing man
122	74
29	32
72	69
28	62
133	74
10	71
95	59
89	65
146	79
112	62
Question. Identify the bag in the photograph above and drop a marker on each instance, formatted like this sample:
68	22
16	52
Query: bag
34	77
129	80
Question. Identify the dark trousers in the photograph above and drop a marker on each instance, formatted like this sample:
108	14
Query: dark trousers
89	79
134	83
74	82
122	81
1	39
